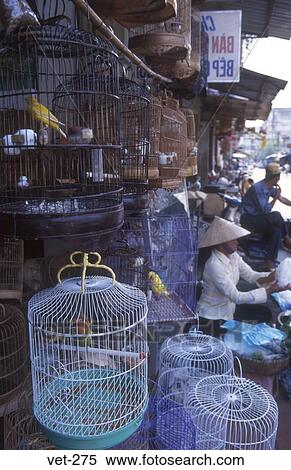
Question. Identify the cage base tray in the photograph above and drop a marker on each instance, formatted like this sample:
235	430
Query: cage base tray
164	309
106	441
83	428
51	225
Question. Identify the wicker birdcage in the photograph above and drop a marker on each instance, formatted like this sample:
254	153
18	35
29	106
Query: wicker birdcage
88	354
191	161
13	351
165	39
173	143
187	68
65	161
134	12
233	413
11	268
169	246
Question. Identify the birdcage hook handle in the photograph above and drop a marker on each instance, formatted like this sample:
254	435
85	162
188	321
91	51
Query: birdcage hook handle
237	359
84	264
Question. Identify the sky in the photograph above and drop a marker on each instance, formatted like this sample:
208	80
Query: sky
271	56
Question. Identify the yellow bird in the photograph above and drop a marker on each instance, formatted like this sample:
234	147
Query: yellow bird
157	285
43	115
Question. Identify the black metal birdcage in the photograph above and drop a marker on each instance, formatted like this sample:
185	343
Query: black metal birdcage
135	140
60	112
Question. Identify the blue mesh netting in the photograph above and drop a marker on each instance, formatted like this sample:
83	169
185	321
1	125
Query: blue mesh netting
166	426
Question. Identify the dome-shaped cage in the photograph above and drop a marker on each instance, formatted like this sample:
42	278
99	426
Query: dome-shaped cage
233	413
135	107
13	351
89	360
11	268
60	113
165	39
173	143
186	358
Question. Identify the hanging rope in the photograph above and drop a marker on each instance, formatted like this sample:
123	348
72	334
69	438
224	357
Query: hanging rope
106	32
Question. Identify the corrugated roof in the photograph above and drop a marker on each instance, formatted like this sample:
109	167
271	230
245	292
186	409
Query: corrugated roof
259	89
234	108
261	18
254	86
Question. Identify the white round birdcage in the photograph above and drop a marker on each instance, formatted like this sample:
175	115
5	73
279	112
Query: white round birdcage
187	358
89	359
232	413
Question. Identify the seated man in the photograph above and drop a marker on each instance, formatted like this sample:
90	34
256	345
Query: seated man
257	216
220	298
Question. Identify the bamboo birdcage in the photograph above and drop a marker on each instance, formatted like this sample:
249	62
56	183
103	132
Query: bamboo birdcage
173	144
155	135
191	161
22	432
13	351
184	69
11	268
165	39
66	163
88	353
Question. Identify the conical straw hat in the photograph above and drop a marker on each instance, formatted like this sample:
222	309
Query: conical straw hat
220	231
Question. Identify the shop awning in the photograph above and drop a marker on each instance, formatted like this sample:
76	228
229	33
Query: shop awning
234	108
250	98
254	86
261	18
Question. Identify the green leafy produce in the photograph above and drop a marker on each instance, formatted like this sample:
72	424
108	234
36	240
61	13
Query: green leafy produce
258	356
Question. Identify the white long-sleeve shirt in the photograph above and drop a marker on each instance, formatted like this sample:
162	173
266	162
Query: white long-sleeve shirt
220	295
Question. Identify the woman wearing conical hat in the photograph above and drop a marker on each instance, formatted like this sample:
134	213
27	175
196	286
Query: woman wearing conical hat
220	298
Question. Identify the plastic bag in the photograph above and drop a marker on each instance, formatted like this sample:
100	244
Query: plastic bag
283	273
283	299
246	339
262	334
16	13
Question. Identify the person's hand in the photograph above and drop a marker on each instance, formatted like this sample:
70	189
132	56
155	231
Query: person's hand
275	288
267	279
278	191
